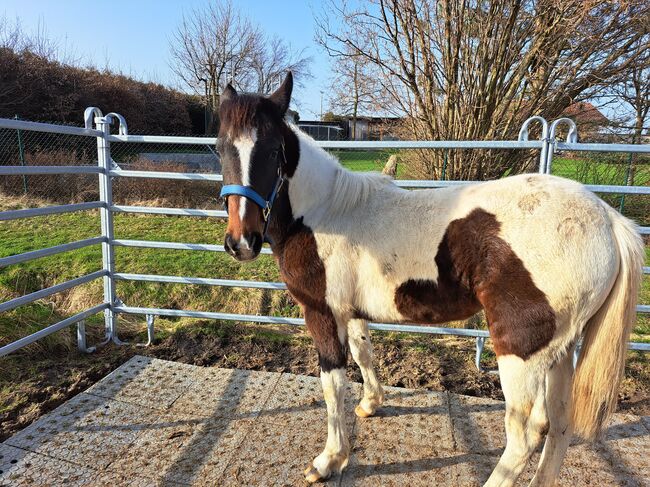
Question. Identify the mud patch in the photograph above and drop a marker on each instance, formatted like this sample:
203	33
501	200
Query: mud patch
530	202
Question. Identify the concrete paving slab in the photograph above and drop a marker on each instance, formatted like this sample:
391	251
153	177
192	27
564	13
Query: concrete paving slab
146	381
223	427
183	448
225	392
409	417
87	430
394	464
33	469
19	468
298	401
274	455
478	424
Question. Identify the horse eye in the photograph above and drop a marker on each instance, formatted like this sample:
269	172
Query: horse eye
274	154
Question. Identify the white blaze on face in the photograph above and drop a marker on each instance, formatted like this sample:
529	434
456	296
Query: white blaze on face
245	144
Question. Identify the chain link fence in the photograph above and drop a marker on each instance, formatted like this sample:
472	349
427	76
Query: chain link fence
28	148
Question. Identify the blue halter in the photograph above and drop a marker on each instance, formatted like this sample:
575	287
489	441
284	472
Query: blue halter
266	204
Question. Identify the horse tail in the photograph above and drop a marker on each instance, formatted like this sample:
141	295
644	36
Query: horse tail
604	349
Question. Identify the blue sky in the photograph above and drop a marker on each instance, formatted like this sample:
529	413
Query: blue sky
133	36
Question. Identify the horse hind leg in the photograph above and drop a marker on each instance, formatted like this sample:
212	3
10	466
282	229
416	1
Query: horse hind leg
361	349
523	387
558	401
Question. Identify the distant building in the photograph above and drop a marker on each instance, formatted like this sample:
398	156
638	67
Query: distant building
341	128
589	120
373	128
319	130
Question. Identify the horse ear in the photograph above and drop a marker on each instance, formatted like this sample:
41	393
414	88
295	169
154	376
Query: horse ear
282	96
229	93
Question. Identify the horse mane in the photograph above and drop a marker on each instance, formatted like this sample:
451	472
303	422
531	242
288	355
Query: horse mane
349	189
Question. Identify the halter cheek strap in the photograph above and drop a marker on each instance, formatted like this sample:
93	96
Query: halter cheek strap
266	204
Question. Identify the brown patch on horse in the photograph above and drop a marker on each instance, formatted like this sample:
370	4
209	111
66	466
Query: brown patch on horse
303	271
477	267
252	218
239	114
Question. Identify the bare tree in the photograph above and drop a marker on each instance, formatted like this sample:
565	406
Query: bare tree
464	69
269	65
634	91
213	45
216	44
353	88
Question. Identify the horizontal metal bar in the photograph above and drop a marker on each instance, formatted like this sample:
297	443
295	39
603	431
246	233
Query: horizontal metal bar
49	210
150	244
11	123
296	321
603	188
644	230
434	330
167	175
430	144
168	211
36	254
421	183
13	346
646	270
643	308
201	281
64	286
27	170
596	188
163	139
336	144
209	315
639	148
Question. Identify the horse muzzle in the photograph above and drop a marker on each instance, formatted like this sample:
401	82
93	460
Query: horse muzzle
245	249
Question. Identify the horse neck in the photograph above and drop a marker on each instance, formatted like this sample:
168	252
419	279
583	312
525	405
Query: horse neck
312	186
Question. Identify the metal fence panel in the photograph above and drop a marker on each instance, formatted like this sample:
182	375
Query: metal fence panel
125	166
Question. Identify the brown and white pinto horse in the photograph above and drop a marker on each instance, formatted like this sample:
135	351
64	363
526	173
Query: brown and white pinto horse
545	258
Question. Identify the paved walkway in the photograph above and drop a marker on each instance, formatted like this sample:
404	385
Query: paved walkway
153	422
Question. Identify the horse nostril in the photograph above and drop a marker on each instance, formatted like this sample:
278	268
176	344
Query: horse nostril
255	241
230	244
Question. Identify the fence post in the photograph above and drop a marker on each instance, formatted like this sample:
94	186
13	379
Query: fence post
105	162
523	137
21	154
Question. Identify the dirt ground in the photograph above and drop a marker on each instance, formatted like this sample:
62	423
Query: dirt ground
435	363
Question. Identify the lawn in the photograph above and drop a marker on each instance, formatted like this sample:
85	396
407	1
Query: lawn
362	160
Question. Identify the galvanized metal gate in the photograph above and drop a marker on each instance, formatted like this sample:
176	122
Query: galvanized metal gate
107	170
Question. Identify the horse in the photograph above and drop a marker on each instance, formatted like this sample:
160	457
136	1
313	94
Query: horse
545	258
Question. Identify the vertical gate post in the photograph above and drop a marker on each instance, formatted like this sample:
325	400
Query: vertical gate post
523	137
108	252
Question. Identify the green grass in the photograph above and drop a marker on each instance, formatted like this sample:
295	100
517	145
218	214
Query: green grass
359	160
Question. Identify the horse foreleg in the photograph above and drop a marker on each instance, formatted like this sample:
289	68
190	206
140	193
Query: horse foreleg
558	401
361	349
332	353
526	421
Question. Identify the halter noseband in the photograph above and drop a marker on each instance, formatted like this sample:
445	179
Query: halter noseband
266	204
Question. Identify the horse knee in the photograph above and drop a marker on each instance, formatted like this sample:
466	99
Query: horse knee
331	343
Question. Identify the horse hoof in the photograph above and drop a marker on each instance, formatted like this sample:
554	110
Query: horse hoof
312	475
362	413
